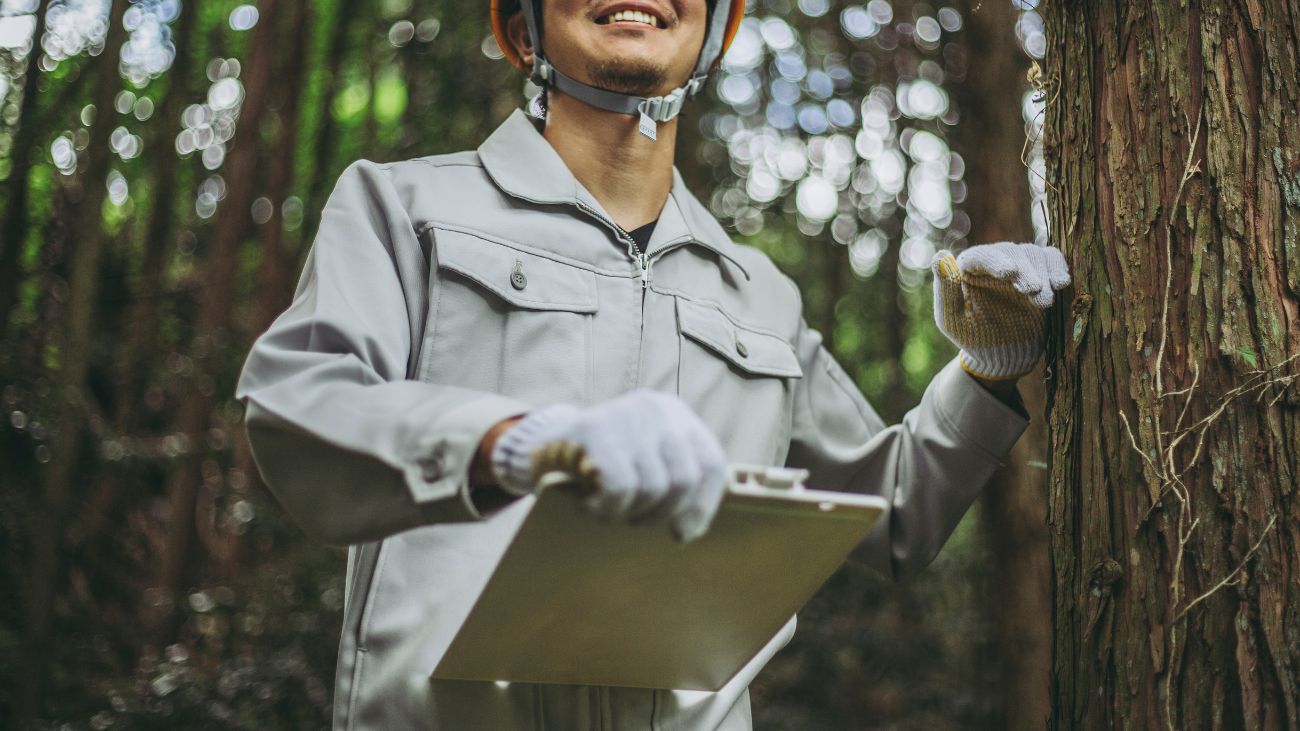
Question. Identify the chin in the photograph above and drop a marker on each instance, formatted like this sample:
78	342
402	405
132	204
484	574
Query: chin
638	76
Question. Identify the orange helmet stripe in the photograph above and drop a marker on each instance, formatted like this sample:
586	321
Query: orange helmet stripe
733	25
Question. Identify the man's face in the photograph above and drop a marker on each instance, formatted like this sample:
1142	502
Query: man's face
610	44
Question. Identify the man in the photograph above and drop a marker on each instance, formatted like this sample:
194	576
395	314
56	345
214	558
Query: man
560	286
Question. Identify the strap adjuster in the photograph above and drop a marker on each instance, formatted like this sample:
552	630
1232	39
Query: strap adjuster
664	108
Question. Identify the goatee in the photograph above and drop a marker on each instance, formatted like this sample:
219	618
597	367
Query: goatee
637	79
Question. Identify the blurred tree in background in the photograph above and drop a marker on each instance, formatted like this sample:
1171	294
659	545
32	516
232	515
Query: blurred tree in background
162	169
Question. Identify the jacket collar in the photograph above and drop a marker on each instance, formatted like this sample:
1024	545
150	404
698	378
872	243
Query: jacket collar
524	165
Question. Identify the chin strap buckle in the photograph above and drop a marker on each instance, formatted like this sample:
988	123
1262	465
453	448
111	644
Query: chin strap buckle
659	109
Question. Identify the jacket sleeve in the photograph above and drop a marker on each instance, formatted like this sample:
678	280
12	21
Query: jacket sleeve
351	446
930	467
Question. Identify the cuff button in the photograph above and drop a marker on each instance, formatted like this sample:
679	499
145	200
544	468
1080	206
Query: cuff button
433	467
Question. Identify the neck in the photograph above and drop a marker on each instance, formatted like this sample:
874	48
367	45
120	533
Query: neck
629	175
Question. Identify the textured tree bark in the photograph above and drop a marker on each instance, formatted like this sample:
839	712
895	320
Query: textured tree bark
990	138
1174	164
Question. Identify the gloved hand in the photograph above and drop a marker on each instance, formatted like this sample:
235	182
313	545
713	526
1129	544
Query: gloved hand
990	300
646	453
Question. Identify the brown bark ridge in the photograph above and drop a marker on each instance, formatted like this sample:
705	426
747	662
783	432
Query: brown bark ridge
213	327
1174	408
990	136
69	395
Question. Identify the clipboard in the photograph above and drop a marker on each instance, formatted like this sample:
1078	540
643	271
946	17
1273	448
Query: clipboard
578	600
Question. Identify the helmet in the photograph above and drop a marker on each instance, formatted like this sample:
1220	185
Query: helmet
721	31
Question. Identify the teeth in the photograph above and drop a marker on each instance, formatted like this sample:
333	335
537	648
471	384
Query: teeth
635	16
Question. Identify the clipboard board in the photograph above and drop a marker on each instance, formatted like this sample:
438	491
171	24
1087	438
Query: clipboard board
578	600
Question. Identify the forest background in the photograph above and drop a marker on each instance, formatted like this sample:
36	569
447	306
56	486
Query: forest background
162	170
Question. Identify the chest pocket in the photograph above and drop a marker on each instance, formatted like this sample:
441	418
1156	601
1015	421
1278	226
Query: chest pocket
740	379
508	321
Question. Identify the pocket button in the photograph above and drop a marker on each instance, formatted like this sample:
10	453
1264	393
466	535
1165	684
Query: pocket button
517	278
741	350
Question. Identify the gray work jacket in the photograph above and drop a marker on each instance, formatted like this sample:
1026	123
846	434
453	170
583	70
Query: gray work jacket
444	294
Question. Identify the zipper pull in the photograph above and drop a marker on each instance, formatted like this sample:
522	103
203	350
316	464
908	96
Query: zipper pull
645	270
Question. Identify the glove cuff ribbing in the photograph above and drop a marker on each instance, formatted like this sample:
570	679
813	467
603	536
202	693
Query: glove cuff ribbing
512	456
1002	362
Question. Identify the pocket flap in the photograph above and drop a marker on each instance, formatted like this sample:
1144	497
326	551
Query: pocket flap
748	349
518	277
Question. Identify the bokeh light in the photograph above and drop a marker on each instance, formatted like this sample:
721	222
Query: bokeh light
847	130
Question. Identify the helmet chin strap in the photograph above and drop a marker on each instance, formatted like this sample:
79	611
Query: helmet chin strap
652	111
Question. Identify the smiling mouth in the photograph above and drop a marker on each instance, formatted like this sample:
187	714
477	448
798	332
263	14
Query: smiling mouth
631	16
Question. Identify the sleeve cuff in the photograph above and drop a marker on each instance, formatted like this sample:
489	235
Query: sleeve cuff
978	416
438	470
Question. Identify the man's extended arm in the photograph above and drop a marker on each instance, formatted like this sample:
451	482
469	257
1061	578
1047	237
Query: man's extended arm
352	445
930	467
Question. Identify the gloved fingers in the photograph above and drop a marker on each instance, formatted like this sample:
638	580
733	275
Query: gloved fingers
1042	298
558	455
701	505
1058	271
1030	276
949	294
684	474
994	260
617	480
652	482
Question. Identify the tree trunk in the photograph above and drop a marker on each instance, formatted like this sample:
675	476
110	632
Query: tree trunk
142	335
140	338
1174	166
69	394
212	330
274	290
323	173
990	138
13	232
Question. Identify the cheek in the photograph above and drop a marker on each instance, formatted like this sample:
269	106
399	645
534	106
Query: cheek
697	12
694	15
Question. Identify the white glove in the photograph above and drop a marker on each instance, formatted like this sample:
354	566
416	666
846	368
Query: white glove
647	455
990	300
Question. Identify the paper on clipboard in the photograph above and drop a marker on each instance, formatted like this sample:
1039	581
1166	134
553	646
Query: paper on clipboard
578	600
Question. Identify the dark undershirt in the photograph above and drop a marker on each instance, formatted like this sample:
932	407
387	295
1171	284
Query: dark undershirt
641	235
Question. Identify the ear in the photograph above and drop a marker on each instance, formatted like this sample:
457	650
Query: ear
517	34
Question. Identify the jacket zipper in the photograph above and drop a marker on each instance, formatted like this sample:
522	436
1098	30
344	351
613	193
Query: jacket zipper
642	262
640	258
633	250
